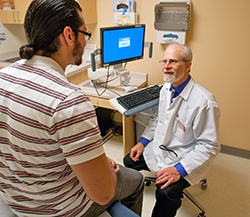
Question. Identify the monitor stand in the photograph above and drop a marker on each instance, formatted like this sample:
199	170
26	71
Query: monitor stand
124	75
99	73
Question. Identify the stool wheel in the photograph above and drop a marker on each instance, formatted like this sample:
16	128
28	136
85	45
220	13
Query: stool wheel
148	183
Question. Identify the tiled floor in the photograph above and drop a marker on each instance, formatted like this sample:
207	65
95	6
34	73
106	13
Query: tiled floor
227	194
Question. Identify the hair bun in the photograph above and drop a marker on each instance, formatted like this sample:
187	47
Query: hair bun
26	51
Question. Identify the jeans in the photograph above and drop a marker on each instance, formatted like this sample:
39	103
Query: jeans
118	210
168	200
129	191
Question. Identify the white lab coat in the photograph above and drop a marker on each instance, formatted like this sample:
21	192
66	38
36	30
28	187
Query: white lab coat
189	127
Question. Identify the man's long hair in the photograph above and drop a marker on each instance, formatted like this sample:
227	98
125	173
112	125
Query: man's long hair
44	21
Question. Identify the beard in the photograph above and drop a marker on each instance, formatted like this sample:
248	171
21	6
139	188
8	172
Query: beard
77	53
170	78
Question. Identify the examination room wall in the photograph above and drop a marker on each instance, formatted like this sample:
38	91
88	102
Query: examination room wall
219	37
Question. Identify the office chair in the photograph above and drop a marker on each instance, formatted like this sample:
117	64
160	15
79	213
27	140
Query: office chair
203	184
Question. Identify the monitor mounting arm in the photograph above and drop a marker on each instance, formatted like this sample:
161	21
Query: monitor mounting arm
94	73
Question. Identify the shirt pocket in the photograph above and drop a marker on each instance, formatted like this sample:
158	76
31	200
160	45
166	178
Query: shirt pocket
182	130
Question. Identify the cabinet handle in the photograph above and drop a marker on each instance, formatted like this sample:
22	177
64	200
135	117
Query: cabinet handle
17	14
13	15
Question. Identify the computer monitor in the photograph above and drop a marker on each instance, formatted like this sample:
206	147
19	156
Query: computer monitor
120	44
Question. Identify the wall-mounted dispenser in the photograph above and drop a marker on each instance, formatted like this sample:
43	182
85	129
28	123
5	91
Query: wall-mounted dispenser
125	12
172	21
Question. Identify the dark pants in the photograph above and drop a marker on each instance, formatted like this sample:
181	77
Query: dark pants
168	200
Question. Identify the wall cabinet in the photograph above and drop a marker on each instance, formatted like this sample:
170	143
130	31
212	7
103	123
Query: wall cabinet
16	15
89	10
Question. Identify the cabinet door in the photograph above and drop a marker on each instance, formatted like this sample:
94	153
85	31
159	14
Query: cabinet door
8	16
21	8
89	10
16	16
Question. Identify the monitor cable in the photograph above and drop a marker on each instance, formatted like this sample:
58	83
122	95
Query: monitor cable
105	86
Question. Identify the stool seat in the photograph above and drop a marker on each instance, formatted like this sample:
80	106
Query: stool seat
6	211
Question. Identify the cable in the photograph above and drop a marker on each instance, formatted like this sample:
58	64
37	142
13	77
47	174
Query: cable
109	80
109	89
105	88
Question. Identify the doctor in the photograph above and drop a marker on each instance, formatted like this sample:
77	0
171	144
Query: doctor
181	140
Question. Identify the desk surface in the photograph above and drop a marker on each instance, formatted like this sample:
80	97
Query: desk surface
114	89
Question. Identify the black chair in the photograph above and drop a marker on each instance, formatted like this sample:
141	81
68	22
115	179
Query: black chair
203	184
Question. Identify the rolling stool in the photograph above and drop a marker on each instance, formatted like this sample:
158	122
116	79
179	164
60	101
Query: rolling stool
6	212
203	184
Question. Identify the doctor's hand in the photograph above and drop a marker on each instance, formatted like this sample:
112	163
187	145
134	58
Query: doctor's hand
167	176
136	151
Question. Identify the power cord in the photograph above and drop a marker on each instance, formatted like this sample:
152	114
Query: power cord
104	85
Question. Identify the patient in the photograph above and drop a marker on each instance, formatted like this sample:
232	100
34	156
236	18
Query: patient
181	140
52	160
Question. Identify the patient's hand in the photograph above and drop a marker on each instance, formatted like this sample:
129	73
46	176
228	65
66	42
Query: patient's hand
113	165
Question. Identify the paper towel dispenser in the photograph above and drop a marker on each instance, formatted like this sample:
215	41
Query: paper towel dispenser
172	16
172	20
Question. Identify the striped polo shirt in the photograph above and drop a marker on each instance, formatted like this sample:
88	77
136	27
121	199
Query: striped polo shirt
46	124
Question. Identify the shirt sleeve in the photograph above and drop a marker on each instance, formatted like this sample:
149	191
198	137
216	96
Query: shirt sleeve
77	129
181	170
144	141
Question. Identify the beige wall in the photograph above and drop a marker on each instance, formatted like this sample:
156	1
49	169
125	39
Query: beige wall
219	37
15	37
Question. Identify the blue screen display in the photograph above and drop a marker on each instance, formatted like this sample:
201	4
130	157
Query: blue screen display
122	44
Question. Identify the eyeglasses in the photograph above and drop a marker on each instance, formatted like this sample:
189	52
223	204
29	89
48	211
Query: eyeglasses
86	34
171	62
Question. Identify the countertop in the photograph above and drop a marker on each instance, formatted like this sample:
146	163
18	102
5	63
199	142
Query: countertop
70	70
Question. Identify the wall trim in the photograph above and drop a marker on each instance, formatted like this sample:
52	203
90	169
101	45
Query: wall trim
235	151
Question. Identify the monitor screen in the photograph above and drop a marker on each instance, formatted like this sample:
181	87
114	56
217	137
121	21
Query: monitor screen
121	44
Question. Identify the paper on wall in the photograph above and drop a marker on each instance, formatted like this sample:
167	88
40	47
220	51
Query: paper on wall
2	36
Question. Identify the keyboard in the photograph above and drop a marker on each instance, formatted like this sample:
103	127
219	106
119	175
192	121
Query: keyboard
135	102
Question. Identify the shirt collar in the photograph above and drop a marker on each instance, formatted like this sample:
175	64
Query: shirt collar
44	62
180	88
